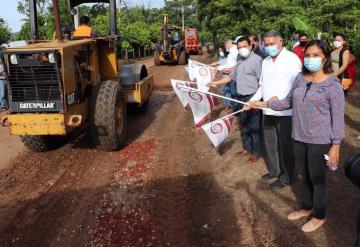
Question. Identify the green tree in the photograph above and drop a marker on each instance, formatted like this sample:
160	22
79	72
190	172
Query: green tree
5	33
45	18
229	18
174	10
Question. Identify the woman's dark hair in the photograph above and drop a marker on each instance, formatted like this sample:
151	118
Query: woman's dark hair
224	49
324	47
351	50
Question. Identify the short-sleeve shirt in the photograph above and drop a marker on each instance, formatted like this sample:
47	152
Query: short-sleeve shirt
300	52
277	78
231	59
247	74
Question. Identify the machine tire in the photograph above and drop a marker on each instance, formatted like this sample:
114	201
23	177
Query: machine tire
41	143
108	117
182	58
157	61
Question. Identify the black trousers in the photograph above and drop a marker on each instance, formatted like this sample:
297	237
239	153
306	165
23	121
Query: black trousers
250	127
279	147
311	164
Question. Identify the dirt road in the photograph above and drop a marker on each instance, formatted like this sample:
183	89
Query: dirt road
166	187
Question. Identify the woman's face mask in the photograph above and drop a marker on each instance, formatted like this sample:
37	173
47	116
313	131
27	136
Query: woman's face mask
338	44
221	54
313	64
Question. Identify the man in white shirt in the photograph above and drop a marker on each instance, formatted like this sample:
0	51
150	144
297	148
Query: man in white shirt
279	70
231	60
229	90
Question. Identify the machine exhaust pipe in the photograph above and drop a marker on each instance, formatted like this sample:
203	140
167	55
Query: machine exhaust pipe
57	20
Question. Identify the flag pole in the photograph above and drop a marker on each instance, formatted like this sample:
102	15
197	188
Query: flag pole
213	94
227	116
204	65
230	99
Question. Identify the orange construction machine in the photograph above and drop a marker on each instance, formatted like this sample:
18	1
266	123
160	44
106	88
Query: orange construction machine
192	41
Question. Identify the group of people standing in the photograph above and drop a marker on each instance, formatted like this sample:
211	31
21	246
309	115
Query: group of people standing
305	86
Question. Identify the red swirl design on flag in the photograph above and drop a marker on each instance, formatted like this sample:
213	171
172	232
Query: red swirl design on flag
194	64
228	123
216	128
179	85
203	72
196	96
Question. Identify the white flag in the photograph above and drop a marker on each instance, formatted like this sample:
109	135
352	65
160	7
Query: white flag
218	130
193	65
204	75
183	95
201	105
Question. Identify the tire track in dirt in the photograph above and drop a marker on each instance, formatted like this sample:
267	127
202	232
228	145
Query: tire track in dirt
45	191
169	207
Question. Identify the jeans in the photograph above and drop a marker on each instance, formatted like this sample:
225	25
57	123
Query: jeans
226	93
310	161
279	147
233	94
3	93
250	127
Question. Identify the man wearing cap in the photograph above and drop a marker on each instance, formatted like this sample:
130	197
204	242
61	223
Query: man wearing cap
229	90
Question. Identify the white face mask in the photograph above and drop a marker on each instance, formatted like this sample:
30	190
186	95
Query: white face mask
244	52
221	54
337	44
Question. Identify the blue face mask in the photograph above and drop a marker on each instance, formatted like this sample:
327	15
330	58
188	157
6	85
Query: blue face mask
313	64
272	50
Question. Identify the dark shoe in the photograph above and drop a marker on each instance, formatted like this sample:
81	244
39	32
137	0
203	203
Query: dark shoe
277	185
253	159
267	176
243	153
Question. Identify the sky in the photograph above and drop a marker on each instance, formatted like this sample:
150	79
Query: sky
8	11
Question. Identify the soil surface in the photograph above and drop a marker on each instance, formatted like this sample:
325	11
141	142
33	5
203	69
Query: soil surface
167	187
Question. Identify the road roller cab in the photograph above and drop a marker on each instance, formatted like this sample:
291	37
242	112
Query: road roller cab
66	83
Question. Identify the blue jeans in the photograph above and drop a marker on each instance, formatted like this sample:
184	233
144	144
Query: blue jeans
233	94
250	127
227	93
3	93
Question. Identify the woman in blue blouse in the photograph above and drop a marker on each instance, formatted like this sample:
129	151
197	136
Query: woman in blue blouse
317	100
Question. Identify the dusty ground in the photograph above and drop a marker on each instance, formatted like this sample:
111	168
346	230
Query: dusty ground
167	187
10	146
